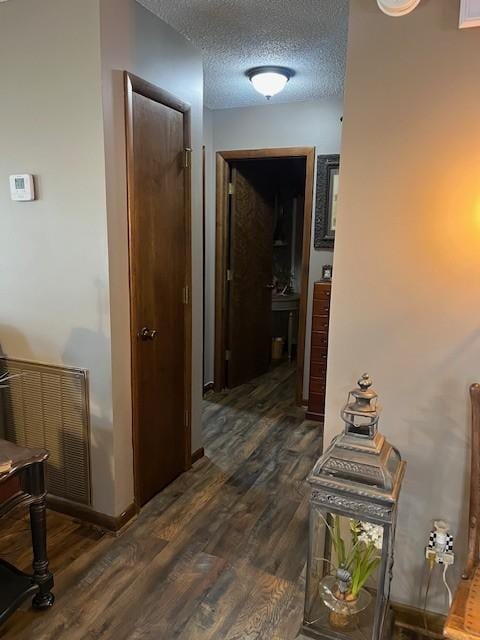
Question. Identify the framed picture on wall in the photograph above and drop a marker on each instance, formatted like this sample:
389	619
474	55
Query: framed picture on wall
328	169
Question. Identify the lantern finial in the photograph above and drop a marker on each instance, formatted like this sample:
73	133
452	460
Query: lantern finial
361	412
364	382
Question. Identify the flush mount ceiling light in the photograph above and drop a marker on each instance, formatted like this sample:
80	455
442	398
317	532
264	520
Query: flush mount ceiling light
269	80
397	8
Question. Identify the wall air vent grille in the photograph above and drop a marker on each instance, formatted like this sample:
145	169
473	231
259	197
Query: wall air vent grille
47	406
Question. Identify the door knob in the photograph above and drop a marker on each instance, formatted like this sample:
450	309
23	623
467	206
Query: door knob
147	334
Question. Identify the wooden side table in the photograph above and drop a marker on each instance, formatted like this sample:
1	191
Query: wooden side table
290	303
26	481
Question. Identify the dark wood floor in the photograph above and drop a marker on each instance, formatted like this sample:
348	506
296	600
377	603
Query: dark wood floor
218	555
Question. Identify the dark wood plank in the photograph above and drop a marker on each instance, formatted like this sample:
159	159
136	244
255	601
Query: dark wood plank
220	553
68	541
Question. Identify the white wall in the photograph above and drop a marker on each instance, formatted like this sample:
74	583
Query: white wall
406	291
309	124
135	40
54	288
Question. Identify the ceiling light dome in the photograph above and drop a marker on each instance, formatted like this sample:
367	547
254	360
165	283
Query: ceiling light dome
397	8
269	80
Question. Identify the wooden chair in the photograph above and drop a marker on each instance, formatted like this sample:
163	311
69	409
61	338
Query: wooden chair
463	622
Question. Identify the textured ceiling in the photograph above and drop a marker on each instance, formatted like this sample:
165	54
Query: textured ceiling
307	35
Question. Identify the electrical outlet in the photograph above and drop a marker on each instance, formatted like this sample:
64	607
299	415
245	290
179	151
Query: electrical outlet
430	554
440	545
447	557
439	557
439	550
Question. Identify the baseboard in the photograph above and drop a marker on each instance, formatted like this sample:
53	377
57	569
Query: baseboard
208	387
196	455
415	624
87	514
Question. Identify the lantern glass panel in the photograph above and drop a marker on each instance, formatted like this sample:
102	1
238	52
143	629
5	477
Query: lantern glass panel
345	576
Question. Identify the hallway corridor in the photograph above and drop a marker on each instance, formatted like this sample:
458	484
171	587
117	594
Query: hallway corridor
218	555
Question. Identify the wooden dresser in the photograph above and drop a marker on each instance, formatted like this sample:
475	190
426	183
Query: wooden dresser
318	353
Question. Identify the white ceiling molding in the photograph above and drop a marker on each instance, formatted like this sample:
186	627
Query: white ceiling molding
397	8
469	14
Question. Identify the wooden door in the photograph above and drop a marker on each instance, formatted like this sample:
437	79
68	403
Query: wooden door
159	215
249	317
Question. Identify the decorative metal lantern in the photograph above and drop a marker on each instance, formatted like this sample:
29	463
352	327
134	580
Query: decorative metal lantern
355	489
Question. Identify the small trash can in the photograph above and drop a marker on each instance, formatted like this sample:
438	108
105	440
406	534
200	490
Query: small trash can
277	348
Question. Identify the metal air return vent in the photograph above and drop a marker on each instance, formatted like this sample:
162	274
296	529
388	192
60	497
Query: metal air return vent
47	406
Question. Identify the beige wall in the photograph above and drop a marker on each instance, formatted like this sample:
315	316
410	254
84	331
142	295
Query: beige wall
135	40
314	123
406	296
63	279
54	288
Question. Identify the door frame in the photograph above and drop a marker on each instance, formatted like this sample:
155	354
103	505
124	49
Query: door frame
223	160
138	85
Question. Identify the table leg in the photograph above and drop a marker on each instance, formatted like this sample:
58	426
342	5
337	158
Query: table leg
38	524
290	334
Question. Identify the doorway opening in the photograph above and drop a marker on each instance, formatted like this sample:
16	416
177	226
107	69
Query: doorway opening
264	202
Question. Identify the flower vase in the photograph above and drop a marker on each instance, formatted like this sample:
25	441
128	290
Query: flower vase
345	614
343	607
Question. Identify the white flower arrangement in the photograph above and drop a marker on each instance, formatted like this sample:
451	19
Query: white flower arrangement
360	555
371	534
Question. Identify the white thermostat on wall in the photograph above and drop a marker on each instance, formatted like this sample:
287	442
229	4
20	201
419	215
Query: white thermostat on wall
22	188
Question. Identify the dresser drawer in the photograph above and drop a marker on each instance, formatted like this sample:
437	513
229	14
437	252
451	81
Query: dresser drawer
318	370
316	403
320	323
321	292
319	339
319	355
317	385
321	308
